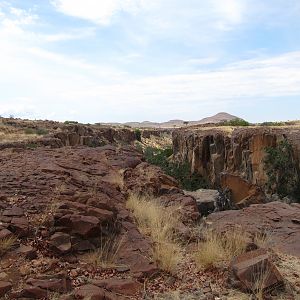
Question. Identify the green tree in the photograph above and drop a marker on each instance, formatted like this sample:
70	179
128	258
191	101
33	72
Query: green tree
281	170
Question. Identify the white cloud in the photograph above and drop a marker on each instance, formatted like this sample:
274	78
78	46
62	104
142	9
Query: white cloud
59	85
100	12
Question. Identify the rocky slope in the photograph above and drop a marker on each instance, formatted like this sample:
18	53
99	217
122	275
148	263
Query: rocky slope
62	203
234	157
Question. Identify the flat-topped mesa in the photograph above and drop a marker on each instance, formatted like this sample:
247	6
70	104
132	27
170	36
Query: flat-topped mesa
233	157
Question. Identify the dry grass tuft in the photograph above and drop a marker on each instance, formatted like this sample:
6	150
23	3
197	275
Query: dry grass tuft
158	222
219	248
260	279
106	256
6	244
262	240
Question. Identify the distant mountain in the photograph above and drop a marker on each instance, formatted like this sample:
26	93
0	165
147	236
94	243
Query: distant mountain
220	117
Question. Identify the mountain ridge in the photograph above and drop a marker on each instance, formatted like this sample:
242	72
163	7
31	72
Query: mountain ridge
217	118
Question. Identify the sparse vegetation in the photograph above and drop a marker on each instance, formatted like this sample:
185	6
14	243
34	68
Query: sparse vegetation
158	222
217	248
180	171
235	122
273	124
283	178
138	135
36	131
70	122
6	244
106	256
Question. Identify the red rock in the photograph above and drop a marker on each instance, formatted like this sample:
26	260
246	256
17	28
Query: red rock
259	218
14	212
103	215
30	292
5	233
91	292
5	287
56	285
253	267
126	287
19	226
85	226
61	242
27	251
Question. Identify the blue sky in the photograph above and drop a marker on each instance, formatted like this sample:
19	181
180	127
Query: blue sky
135	60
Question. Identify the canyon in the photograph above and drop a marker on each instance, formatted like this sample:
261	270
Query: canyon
67	231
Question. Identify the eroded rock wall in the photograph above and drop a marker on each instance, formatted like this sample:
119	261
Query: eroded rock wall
239	151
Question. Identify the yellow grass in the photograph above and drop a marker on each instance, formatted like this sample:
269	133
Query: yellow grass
106	256
6	244
158	222
219	248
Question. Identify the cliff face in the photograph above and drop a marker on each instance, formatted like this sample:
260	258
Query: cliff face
232	158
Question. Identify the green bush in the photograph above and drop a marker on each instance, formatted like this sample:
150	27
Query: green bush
70	122
138	135
29	131
38	131
235	122
181	172
283	178
272	124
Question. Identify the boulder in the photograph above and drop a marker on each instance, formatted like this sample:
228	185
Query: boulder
60	285
255	271
242	192
27	251
19	226
61	242
128	287
85	226
206	200
91	292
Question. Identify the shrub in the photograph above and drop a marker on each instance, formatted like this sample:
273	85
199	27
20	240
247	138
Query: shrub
41	131
38	131
180	171
138	135
280	168
235	122
272	124
70	122
158	222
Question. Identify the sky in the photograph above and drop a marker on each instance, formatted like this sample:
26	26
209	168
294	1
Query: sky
136	60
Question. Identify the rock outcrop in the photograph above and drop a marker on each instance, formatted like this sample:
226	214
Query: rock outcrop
278	221
61	203
233	153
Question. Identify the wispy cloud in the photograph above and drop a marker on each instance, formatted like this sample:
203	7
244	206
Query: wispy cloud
100	12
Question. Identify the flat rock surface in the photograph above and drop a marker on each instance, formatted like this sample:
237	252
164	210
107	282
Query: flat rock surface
274	219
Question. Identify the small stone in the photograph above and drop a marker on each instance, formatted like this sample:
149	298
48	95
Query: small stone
5	287
61	242
13	212
3	276
27	251
5	233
